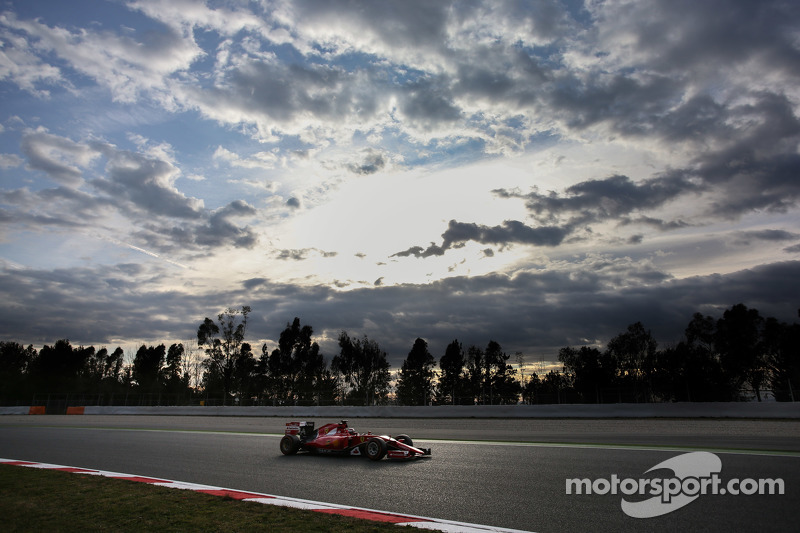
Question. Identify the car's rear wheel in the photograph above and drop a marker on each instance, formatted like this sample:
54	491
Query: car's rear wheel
405	439
375	449
290	444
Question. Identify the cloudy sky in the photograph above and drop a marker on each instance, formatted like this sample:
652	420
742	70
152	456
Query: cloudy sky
540	173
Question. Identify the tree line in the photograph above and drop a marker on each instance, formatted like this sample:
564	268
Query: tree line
63	368
725	359
734	357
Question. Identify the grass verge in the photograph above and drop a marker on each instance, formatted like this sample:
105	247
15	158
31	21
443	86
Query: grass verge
33	499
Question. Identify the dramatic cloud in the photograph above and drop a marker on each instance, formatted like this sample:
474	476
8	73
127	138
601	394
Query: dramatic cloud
510	232
537	172
58	157
373	162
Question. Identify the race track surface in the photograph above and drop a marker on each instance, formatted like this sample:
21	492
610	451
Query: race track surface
508	473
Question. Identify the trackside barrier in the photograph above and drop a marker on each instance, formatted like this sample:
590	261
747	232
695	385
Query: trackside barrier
663	410
20	410
633	410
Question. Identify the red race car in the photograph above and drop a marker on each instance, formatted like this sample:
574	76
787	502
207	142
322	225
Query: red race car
344	440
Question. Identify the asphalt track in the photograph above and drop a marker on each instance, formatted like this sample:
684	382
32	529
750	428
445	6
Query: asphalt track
507	473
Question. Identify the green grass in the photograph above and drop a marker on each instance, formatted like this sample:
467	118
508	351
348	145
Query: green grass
33	499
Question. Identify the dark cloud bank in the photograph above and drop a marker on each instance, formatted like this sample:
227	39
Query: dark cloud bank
533	312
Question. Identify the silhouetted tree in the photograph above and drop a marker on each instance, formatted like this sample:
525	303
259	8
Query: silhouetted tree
14	362
415	385
112	366
741	353
147	366
174	378
297	369
476	375
634	352
691	370
262	377
502	383
590	370
277	372
328	388
452	387
223	344
782	352
364	368
58	368
489	377
531	390
553	387
693	366
244	381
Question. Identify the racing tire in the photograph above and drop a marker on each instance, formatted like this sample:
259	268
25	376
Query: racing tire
375	449
290	444
405	439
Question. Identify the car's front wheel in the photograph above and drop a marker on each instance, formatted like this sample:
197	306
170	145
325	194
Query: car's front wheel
375	449
290	444
405	439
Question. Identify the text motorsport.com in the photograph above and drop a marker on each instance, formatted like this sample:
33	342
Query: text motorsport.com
695	474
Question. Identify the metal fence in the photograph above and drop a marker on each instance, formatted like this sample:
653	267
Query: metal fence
57	403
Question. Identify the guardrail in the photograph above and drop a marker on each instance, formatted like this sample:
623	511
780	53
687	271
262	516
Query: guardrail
775	410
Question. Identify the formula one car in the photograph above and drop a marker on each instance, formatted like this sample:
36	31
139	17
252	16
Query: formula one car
344	440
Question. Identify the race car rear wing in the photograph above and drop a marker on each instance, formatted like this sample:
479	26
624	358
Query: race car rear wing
302	429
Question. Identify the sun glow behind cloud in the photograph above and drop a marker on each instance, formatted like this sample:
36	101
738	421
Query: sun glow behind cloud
367	221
